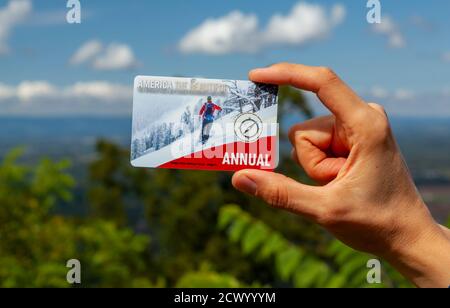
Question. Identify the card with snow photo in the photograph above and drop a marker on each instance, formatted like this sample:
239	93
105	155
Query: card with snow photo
204	124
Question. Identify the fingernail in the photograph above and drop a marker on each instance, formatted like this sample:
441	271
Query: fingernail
246	185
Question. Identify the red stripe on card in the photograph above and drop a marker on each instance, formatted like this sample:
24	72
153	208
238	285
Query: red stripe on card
262	154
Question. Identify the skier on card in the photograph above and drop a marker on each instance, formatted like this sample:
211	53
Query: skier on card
207	115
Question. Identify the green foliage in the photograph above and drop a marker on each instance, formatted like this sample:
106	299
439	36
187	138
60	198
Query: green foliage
208	279
339	266
287	257
24	202
287	261
292	99
106	200
254	237
117	255
35	244
180	207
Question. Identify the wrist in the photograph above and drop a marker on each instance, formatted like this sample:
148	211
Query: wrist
425	260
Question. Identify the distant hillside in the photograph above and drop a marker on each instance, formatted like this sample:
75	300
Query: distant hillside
426	146
424	142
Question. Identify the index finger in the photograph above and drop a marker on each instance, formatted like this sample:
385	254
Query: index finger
339	98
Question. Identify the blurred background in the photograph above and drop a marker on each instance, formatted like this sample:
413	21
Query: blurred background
67	190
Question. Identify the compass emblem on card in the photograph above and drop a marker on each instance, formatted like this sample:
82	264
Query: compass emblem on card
248	127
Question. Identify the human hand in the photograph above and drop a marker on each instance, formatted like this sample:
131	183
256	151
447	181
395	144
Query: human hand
368	199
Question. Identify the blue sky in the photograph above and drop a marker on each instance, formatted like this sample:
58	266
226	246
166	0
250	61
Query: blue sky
37	63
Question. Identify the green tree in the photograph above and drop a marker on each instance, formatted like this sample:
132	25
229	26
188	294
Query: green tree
35	244
335	266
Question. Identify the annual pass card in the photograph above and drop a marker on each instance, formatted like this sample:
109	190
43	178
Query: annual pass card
204	124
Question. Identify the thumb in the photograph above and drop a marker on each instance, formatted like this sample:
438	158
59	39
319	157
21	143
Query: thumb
279	191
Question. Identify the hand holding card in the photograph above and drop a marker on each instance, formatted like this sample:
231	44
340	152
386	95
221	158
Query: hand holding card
204	124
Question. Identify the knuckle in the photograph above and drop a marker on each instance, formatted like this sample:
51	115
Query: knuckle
378	107
381	128
362	116
277	196
300	135
329	74
297	135
373	123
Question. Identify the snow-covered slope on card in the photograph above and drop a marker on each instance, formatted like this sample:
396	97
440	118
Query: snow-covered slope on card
222	132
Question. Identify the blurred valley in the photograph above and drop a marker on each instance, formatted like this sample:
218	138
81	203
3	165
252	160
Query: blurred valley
424	142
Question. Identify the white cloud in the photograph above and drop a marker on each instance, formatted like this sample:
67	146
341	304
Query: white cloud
404	94
87	52
112	57
419	104
338	14
397	95
29	92
378	92
239	32
115	57
306	22
407	102
6	92
42	98
235	32
100	90
13	14
396	40
389	28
